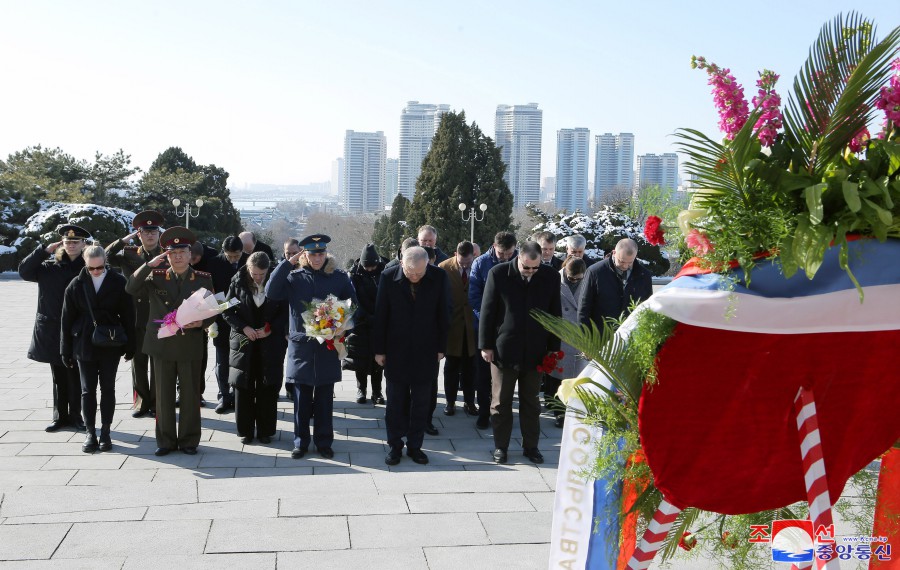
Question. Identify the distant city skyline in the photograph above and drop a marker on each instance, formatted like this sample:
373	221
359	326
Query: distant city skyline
267	90
572	157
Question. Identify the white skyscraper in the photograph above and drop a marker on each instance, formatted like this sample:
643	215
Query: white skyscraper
613	164
364	162
337	176
390	180
517	131
418	123
572	154
658	169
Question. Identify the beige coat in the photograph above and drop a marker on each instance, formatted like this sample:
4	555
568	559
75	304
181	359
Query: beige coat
462	319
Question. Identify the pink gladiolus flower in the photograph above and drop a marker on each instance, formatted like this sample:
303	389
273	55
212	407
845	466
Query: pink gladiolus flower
769	103
699	242
860	140
728	96
889	101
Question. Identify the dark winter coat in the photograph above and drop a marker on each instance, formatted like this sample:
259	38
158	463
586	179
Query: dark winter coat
52	278
604	295
265	248
411	332
439	256
506	326
478	278
360	355
309	361
270	350
111	305
222	272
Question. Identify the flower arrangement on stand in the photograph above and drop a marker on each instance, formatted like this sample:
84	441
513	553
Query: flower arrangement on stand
787	187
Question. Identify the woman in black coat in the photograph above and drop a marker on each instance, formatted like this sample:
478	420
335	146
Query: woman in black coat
364	275
257	352
52	267
96	293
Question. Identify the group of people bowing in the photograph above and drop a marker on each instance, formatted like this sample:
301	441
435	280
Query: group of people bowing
469	309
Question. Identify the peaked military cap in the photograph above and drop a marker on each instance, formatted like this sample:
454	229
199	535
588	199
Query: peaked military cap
71	231
148	220
176	237
315	242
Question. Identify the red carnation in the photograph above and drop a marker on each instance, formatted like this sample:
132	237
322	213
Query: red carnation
267	329
654	232
688	541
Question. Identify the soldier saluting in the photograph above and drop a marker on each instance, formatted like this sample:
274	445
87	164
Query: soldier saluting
178	358
129	258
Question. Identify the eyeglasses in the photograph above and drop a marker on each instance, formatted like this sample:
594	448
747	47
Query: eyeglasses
531	268
96	269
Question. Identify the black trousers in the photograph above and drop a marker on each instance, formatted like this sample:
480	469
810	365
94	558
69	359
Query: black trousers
483	390
224	395
316	403
504	386
256	408
66	393
102	372
406	413
143	384
459	372
362	378
551	385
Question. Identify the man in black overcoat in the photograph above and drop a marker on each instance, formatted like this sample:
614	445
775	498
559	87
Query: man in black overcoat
515	344
412	318
610	286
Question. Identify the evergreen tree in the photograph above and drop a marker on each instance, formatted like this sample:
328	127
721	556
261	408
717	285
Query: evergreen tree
463	166
174	174
44	174
391	230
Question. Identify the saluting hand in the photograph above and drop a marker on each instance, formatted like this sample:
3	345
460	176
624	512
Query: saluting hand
131	236
295	259
251	333
156	261
52	247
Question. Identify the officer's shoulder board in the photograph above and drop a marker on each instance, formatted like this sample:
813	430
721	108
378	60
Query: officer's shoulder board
130	248
203	274
160	272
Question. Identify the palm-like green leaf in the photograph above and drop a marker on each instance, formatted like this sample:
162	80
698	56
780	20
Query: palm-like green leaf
834	92
604	348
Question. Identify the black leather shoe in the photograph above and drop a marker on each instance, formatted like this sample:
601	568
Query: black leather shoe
265	439
483	423
246	439
139	413
78	425
533	455
378	398
393	456
360	397
418	456
189	450
54	426
105	441
152	412
160	451
298	452
90	444
105	446
499	455
221	408
470	409
326	452
450	410
431	430
559	421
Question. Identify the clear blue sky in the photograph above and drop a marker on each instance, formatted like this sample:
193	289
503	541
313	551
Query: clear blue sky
267	89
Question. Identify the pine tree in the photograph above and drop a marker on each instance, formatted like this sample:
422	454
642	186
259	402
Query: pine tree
391	230
463	166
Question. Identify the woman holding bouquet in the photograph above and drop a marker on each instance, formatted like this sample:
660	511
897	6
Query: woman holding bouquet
257	345
313	367
96	296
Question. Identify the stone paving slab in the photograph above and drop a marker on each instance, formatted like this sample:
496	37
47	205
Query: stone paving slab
138	538
259	508
26	542
515	528
46	500
349	504
370	559
387	531
468	503
501	557
255	561
66	564
94	515
278	534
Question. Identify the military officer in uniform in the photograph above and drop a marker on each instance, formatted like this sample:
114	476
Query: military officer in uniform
178	358
129	258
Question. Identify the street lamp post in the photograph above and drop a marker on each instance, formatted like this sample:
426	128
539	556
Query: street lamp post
472	217
186	212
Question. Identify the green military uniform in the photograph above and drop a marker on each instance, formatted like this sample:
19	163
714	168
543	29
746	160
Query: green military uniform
128	258
179	358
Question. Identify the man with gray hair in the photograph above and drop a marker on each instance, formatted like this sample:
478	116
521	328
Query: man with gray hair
612	285
412	319
515	344
575	248
427	236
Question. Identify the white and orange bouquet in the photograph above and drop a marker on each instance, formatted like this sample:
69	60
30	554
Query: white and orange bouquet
328	322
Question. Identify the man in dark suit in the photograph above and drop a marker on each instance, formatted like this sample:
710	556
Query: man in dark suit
252	245
613	284
412	316
547	241
515	344
427	237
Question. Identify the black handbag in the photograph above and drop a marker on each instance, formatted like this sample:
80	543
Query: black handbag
105	336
